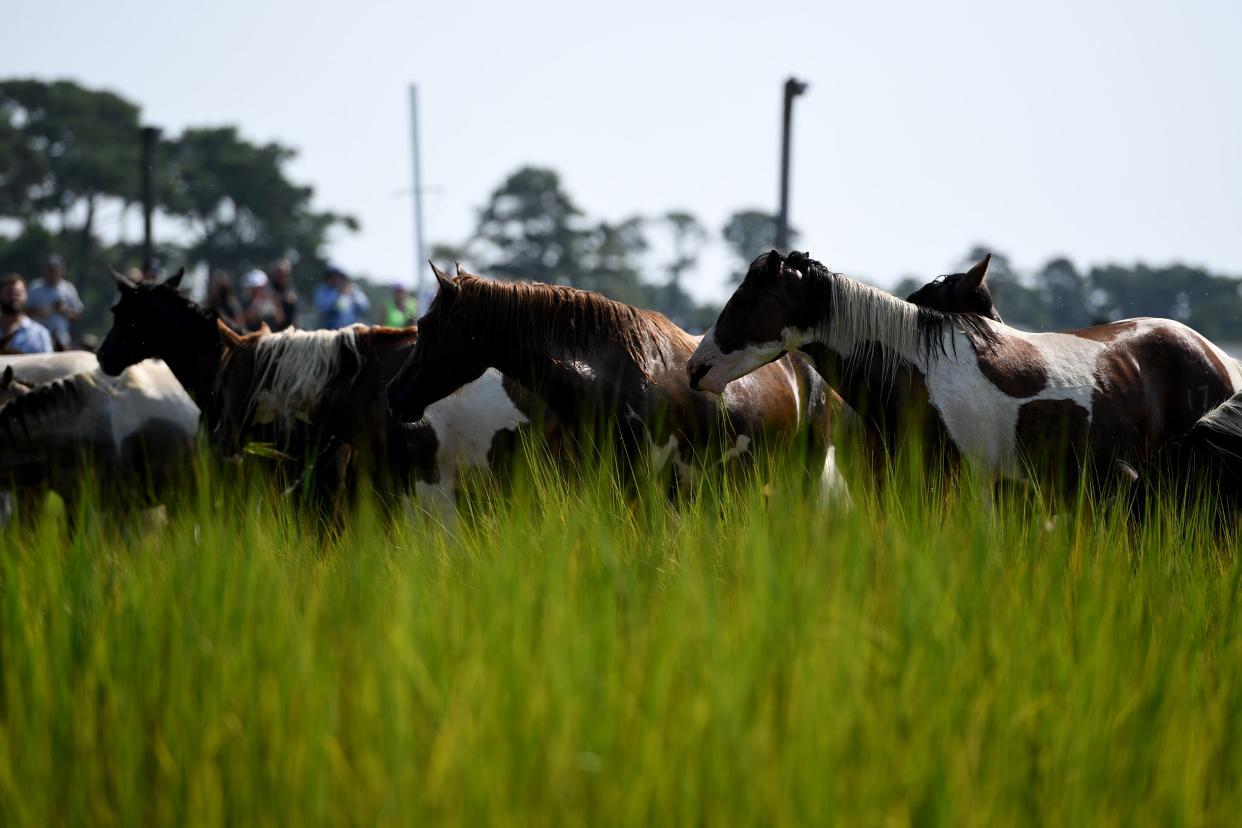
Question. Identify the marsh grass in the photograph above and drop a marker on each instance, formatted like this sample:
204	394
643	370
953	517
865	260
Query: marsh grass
580	651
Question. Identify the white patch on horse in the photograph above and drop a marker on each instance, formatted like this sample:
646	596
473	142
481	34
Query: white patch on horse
466	424
981	418
832	486
726	367
739	448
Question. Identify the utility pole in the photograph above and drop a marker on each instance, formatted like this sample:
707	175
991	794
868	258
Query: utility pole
793	88
149	136
420	251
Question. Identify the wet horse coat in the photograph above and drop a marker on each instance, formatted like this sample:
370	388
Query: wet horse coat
1004	400
596	362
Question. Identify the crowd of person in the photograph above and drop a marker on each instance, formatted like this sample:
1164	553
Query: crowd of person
41	317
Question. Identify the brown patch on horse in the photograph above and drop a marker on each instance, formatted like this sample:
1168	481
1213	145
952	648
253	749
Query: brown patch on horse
1153	385
1013	365
1105	333
1052	439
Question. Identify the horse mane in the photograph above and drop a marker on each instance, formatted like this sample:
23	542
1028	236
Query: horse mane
294	368
566	321
44	402
857	314
1225	419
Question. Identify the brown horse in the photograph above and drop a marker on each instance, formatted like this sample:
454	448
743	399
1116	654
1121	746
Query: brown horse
309	392
600	363
1104	398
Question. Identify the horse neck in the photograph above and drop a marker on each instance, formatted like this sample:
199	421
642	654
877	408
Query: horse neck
567	383
195	357
857	316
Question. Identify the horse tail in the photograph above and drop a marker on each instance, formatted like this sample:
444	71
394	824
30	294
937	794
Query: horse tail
1207	459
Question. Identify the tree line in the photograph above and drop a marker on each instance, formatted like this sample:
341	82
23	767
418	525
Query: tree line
1060	295
69	166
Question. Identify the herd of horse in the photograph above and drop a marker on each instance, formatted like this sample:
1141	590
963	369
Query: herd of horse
797	354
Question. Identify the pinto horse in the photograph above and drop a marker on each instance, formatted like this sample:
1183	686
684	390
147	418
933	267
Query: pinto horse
596	362
328	382
1050	405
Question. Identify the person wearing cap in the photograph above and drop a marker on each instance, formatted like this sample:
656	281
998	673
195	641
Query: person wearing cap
281	285
54	302
19	334
401	310
261	308
338	302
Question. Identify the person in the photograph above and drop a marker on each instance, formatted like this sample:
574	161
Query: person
284	293
222	300
54	302
261	307
18	332
338	302
153	272
401	310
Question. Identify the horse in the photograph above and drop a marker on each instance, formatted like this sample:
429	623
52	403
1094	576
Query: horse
599	363
960	293
1087	405
328	381
133	433
37	368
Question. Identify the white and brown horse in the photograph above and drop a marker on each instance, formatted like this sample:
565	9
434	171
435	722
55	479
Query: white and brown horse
131	433
599	363
306	389
1102	398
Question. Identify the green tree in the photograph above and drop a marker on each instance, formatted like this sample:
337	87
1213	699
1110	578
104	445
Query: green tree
1067	295
531	229
749	233
239	204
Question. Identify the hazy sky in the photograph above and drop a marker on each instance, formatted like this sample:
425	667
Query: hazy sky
1101	130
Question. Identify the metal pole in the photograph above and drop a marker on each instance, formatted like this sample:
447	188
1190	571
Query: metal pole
420	251
793	88
149	137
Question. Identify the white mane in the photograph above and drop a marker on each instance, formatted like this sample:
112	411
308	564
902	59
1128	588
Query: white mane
860	314
293	369
1225	418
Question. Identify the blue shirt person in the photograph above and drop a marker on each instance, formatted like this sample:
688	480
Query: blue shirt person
53	300
338	301
18	332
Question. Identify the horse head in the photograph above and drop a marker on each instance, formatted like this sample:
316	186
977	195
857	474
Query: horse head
762	321
147	321
960	293
445	356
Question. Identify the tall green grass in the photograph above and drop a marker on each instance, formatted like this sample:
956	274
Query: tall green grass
580	652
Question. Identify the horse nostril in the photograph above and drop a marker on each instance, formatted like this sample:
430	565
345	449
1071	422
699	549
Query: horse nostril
697	374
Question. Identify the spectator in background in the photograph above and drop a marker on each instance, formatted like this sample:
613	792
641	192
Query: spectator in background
54	302
401	310
18	332
339	303
261	307
153	272
284	293
222	300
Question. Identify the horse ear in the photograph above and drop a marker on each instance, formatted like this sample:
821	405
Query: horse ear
174	281
124	285
774	263
976	275
447	288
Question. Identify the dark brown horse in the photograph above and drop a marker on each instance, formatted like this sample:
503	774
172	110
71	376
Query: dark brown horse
596	362
1104	397
959	293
